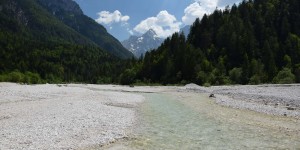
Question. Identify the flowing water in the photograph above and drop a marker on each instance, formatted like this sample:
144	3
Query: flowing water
167	123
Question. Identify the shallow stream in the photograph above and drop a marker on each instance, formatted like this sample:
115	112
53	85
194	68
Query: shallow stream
167	123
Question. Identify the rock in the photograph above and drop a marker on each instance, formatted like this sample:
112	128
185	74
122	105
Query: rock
212	96
291	108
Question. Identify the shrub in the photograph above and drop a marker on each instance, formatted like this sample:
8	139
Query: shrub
255	79
235	75
206	85
16	77
285	76
127	77
32	78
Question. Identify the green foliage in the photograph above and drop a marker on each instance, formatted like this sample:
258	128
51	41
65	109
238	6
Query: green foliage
15	76
245	44
206	84
285	76
85	26
255	79
32	78
19	77
235	75
127	77
297	73
288	61
45	49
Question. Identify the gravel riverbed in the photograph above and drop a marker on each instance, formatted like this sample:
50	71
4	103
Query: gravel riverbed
80	116
283	100
63	116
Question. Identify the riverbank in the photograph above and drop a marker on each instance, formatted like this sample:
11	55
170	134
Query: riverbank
280	100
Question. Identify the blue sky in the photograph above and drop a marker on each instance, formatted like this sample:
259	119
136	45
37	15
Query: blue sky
123	18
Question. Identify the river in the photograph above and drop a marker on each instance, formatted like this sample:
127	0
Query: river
173	121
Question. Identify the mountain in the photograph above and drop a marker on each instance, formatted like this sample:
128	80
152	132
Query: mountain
35	43
139	45
255	42
185	30
69	12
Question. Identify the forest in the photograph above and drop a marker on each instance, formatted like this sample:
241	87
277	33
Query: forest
37	47
257	41
252	43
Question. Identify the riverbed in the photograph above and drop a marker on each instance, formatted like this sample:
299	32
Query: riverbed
82	116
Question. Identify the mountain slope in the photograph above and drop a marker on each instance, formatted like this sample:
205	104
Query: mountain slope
33	40
70	13
140	45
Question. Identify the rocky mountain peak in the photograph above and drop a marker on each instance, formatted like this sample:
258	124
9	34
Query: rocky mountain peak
139	45
150	33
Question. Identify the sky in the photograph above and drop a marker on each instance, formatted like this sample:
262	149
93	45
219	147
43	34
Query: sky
123	18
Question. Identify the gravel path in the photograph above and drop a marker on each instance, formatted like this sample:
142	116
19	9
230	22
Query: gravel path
271	99
63	116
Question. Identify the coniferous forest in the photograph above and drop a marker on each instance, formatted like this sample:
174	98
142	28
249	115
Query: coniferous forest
37	46
257	41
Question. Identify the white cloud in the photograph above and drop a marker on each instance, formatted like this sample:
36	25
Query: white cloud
198	9
105	17
164	24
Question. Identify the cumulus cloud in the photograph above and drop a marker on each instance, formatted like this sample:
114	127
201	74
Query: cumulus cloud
198	9
106	17
164	24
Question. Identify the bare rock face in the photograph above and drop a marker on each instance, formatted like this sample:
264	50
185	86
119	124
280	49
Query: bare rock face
139	45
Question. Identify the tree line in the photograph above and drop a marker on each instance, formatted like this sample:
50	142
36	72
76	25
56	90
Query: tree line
255	42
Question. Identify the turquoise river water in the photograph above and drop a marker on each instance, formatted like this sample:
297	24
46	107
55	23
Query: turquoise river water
167	123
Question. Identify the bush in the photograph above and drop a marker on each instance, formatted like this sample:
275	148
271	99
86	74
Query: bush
127	77
202	77
16	77
2	78
32	78
206	85
255	79
235	75
285	76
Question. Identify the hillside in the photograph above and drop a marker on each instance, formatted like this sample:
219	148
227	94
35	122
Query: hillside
71	15
35	43
252	43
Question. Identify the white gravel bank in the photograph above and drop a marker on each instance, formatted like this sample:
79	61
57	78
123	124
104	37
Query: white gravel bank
271	99
63	116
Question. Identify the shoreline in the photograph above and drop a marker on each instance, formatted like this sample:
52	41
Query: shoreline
278	100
